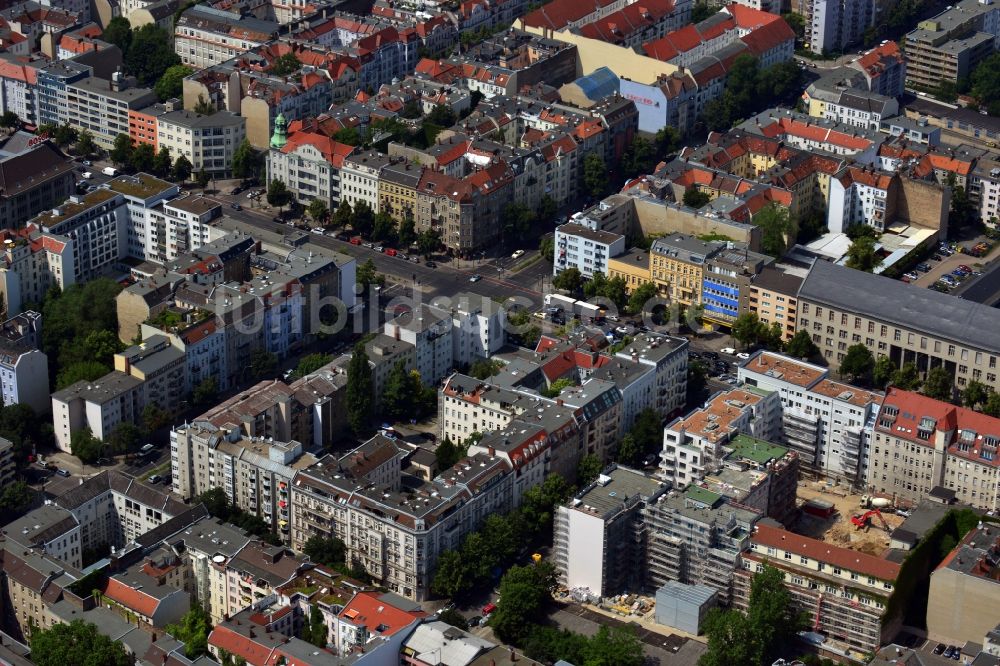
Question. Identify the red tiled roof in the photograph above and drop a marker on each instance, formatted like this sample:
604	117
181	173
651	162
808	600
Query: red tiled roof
875	61
616	27
237	645
370	610
805	130
133	599
768	37
845	558
557	14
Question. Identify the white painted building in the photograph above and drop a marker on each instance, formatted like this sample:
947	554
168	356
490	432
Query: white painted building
585	249
860	196
207	141
826	422
359	178
478	327
429	330
24	377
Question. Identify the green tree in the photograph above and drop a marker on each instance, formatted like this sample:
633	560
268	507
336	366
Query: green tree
285	65
162	163
801	345
85	145
775	229
428	241
78	643
588	469
359	393
524	595
278	194
318	631
862	256
327	551
484	368
447	454
310	363
216	503
171	84
516	219
80	371
639	158
796	23
193	630
642	295
442	116
317	211
384	229
629	452
992	406
746	329
206	392
858	362
701	11
986	84
366	275
119	33
204	106
568	280
125	437
85	446
155	417
263	364
362	218
142	158
246	161
349	136
907	377
202	178
9	119
342	217
883	371
939	384
182	169
450	575
695	198
547	208
150	54
454	618
15	498
618	646
121	150
975	394
407	231
547	248
595	174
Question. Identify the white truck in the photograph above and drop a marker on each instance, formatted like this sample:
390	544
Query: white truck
109	171
565	303
874	502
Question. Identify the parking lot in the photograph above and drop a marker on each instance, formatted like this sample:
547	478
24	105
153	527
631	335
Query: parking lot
947	264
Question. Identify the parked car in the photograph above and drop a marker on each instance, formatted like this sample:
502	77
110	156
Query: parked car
146	448
937	257
356	240
415	260
236	206
965	268
517	254
948	651
489	608
743	355
368	245
475	620
63	473
710	354
317	230
391	251
939	649
379	248
924	267
728	350
237	190
155	478
911	275
86	163
476	278
431	264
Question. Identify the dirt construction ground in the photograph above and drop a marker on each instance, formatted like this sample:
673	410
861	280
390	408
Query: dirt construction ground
839	530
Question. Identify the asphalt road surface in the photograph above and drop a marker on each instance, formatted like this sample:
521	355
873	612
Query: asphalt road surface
448	279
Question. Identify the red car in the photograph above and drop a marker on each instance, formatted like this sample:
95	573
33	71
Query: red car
489	608
964	269
391	252
356	240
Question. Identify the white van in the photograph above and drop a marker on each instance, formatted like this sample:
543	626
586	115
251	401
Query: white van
109	171
86	175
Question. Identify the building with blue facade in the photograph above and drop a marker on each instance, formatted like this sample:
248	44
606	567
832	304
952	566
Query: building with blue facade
726	283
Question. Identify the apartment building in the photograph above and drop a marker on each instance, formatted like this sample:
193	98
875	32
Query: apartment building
677	265
152	372
693	444
600	536
431	332
725	284
478	324
146	232
309	163
884	69
93	227
18	83
585	249
24	369
773	297
844	592
102	106
397	188
889	317
34	177
207	141
359	179
827	423
206	36
384	353
255	472
251	577
947	47
696	538
838	24
919	444
964	596
411	524
31	576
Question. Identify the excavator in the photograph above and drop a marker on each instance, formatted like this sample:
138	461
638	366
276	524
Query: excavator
864	520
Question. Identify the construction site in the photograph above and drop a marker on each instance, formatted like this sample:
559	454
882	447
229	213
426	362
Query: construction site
839	517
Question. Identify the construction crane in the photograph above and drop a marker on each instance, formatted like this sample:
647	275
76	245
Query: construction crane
864	520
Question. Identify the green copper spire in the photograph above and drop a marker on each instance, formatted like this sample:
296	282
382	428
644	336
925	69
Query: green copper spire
280	136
